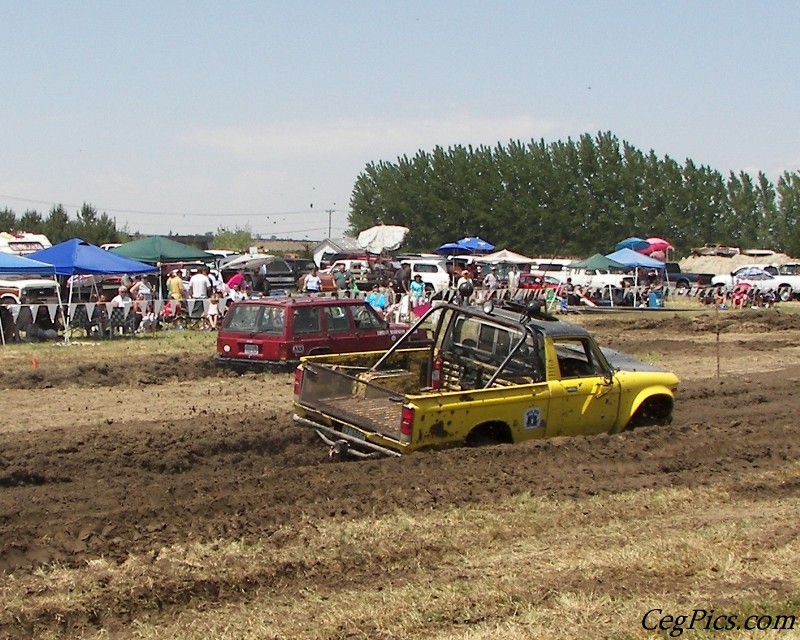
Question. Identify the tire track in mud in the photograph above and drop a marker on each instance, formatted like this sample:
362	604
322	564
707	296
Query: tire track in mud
69	496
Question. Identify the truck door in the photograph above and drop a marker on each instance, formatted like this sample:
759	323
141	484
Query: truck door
372	333
340	329
585	399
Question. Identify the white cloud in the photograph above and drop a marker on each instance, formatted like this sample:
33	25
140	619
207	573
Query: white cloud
373	137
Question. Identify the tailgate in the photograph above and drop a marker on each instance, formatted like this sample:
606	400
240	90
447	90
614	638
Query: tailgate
341	398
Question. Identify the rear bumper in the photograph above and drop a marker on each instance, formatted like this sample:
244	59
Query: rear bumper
330	435
240	364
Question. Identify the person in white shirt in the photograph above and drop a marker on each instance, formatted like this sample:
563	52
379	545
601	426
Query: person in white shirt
513	281
312	283
199	284
122	299
142	287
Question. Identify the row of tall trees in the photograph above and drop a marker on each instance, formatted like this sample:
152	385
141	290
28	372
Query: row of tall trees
58	226
573	198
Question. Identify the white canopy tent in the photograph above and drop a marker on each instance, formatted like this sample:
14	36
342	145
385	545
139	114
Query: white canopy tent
507	256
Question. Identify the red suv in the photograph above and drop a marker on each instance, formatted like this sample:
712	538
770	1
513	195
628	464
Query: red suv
276	332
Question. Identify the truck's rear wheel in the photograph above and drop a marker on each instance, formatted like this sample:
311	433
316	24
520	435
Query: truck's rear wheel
785	292
490	433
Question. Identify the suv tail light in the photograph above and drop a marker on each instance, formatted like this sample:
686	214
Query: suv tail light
298	381
406	423
436	374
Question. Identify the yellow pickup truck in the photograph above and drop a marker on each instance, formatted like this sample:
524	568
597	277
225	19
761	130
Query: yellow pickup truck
491	375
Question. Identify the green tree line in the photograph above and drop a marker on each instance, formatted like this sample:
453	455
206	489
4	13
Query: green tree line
87	225
573	198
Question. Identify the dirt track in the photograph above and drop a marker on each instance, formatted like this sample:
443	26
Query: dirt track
108	460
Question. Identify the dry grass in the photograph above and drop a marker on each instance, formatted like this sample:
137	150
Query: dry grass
526	567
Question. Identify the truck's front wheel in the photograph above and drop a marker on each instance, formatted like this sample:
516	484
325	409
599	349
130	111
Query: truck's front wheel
655	411
682	287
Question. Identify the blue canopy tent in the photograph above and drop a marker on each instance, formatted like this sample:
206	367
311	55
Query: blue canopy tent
11	263
631	258
635	260
78	257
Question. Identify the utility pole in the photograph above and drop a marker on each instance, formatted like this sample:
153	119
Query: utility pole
330	213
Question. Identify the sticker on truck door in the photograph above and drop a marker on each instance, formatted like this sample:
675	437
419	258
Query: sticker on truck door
533	419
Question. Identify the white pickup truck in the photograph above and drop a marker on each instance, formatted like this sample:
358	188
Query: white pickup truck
788	278
29	291
785	279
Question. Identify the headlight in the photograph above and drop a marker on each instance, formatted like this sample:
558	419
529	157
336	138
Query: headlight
226	348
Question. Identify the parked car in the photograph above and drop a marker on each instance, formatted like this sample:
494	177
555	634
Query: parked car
275	274
538	281
276	332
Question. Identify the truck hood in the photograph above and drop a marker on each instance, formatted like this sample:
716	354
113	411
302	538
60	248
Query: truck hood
625	362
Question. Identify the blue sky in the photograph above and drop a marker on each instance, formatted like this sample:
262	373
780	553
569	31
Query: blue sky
185	117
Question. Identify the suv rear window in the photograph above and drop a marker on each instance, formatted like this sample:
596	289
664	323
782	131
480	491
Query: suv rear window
253	318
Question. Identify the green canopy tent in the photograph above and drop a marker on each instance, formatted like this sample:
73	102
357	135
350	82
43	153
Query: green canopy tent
597	261
159	249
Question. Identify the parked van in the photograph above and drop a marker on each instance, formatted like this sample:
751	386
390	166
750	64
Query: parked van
432	268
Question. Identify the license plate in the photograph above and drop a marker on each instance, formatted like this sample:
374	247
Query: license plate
251	349
349	431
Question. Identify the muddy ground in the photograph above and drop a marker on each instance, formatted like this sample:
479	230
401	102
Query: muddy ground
128	457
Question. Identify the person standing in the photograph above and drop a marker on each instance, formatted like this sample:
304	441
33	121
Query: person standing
312	283
491	281
343	279
402	278
175	286
513	281
417	290
200	285
142	288
464	287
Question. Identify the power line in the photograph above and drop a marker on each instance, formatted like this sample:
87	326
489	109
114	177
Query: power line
173	213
